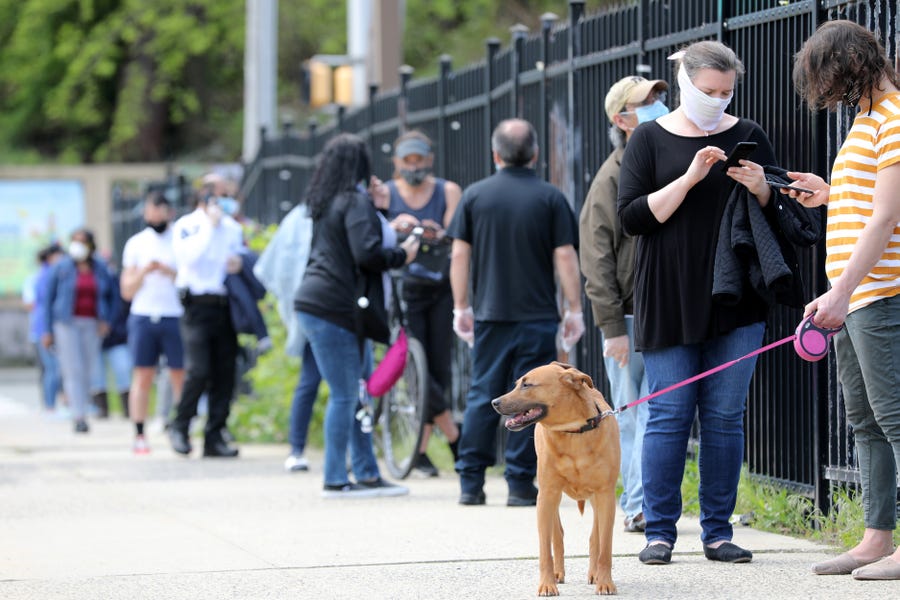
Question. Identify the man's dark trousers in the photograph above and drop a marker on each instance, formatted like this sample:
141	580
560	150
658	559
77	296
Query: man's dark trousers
210	349
503	352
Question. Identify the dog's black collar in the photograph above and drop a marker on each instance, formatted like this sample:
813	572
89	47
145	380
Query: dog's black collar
594	422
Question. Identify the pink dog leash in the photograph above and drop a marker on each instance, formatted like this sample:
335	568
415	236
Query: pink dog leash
810	343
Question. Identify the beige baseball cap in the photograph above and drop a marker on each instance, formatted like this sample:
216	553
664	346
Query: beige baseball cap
630	90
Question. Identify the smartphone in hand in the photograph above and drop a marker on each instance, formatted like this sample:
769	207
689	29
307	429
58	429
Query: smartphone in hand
782	186
741	151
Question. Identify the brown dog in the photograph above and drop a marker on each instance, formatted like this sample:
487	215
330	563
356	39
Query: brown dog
577	443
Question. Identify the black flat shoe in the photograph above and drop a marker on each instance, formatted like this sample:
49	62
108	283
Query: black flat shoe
219	449
656	554
472	499
523	497
728	552
180	441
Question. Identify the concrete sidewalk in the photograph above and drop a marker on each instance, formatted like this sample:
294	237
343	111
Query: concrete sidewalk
81	517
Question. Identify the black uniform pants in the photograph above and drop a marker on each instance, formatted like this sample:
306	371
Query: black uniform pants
210	349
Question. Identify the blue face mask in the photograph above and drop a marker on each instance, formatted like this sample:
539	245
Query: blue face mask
228	205
650	113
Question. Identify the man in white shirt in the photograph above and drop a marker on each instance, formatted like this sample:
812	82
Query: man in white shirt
207	244
148	282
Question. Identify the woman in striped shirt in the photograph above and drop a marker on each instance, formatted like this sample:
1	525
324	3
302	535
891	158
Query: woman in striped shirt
843	63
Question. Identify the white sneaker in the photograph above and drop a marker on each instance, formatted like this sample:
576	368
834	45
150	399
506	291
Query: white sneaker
140	445
296	462
157	426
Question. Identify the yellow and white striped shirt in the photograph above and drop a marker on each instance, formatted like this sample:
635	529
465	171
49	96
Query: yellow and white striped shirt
872	144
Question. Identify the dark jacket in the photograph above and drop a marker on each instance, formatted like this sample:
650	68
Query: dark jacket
346	249
244	291
756	246
607	252
118	324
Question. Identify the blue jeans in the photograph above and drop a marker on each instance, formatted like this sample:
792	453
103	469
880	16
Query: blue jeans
78	347
304	398
118	360
719	401
503	352
868	364
51	379
627	384
337	355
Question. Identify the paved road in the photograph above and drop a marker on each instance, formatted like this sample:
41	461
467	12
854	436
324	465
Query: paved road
81	517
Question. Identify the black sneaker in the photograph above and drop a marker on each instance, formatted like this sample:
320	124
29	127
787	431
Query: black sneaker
81	426
424	466
347	490
384	488
656	554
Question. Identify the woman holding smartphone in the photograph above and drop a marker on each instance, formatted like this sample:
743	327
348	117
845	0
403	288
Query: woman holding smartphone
672	195
844	64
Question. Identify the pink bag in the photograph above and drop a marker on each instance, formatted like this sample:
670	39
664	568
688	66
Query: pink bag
390	368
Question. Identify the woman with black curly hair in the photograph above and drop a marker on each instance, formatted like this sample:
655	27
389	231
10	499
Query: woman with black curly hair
346	247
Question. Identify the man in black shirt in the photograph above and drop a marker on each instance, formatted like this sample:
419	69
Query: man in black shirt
511	232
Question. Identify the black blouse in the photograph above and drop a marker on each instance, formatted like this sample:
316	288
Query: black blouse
674	260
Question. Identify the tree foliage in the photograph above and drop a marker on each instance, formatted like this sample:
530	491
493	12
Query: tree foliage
139	80
119	80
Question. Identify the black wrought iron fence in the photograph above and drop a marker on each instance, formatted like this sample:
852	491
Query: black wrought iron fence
557	78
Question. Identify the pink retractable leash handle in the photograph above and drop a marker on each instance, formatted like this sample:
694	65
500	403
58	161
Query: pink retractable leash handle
811	340
810	343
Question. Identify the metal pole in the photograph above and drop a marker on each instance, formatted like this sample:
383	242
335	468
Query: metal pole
493	46
260	72
406	73
443	93
519	32
547	22
359	24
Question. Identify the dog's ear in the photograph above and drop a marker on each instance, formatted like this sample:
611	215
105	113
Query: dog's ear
576	379
562	365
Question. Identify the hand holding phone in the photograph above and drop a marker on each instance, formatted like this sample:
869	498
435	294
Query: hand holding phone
741	151
782	186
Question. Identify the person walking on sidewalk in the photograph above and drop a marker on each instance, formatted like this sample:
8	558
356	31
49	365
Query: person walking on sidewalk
148	282
417	198
512	232
77	313
208	245
607	262
34	296
347	251
843	64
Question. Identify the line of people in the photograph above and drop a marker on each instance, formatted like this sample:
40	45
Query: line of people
172	302
656	223
682	260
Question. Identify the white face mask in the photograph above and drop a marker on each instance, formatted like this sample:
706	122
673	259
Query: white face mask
704	111
78	251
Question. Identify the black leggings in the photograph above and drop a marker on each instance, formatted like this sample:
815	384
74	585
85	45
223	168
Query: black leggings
429	316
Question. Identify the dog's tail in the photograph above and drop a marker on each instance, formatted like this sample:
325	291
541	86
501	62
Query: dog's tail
581	506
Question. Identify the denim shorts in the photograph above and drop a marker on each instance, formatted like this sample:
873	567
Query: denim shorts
149	337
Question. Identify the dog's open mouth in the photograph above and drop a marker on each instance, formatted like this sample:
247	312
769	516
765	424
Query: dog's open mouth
524	419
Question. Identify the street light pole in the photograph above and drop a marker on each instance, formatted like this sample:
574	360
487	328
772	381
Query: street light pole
260	73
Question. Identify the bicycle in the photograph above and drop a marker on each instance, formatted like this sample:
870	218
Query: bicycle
400	413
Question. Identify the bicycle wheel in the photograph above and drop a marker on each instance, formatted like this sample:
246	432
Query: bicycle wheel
403	413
